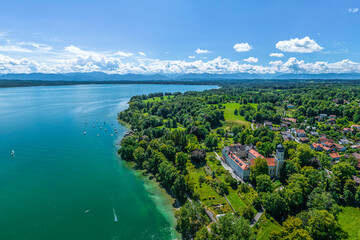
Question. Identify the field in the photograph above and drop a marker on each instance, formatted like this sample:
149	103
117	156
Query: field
231	119
349	220
157	99
265	227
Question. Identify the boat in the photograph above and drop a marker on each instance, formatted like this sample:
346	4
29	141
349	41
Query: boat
115	217
87	211
12	152
105	129
98	135
93	126
84	133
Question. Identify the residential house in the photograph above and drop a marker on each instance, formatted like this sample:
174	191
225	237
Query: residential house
356	127
300	133
317	146
334	156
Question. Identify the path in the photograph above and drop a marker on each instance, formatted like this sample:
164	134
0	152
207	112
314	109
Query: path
227	167
257	217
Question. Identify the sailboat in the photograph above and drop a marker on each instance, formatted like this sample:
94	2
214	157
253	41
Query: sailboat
115	217
12	152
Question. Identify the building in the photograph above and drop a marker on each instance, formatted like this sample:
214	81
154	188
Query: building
241	157
334	156
356	127
300	133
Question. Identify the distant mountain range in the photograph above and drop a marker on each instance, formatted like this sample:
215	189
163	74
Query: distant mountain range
100	76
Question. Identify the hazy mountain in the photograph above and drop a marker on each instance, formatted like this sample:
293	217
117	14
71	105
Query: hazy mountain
93	76
209	76
319	76
100	76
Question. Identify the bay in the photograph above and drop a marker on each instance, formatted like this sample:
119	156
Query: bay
65	184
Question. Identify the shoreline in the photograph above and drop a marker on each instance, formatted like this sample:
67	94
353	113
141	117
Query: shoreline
163	201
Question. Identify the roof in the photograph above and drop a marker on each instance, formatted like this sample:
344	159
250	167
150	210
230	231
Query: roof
357	126
280	146
338	145
316	145
356	155
323	139
299	131
334	155
270	162
256	154
241	163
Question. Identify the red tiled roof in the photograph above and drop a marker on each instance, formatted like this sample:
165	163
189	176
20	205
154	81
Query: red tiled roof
239	161
334	155
299	131
256	154
316	145
270	162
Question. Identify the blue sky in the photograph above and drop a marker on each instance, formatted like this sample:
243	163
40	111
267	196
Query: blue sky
180	36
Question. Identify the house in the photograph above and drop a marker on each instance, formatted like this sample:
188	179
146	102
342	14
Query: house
322	115
332	116
304	139
318	118
267	124
286	136
323	140
300	133
328	144
317	146
339	147
290	106
357	156
293	120
314	133
356	127
346	130
332	120
334	156
344	141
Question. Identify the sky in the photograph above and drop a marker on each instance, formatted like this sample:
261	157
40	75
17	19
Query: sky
180	36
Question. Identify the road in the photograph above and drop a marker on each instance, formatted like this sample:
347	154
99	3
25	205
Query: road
227	167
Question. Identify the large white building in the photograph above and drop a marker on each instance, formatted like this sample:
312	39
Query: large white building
241	157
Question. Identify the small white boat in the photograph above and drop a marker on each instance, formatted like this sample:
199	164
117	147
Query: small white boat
115	217
105	129
12	152
111	134
86	211
93	125
98	135
84	133
100	127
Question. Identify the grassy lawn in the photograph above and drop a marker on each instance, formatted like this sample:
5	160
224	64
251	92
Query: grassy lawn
157	99
265	227
349	219
235	201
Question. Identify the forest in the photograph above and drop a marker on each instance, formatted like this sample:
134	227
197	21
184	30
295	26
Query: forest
178	138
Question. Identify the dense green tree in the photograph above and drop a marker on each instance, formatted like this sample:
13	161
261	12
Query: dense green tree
263	183
260	167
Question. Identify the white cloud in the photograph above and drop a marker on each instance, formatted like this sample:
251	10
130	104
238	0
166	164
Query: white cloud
124	54
251	60
353	10
191	57
304	45
202	51
242	47
74	59
14	48
276	55
142	54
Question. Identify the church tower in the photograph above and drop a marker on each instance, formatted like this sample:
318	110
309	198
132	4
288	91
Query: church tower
279	159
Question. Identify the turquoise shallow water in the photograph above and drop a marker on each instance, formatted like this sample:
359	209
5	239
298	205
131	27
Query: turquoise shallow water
58	173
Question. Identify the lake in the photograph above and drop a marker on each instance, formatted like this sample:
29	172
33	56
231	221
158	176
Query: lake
64	184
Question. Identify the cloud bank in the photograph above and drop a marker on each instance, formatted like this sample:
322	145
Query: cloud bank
242	47
73	59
